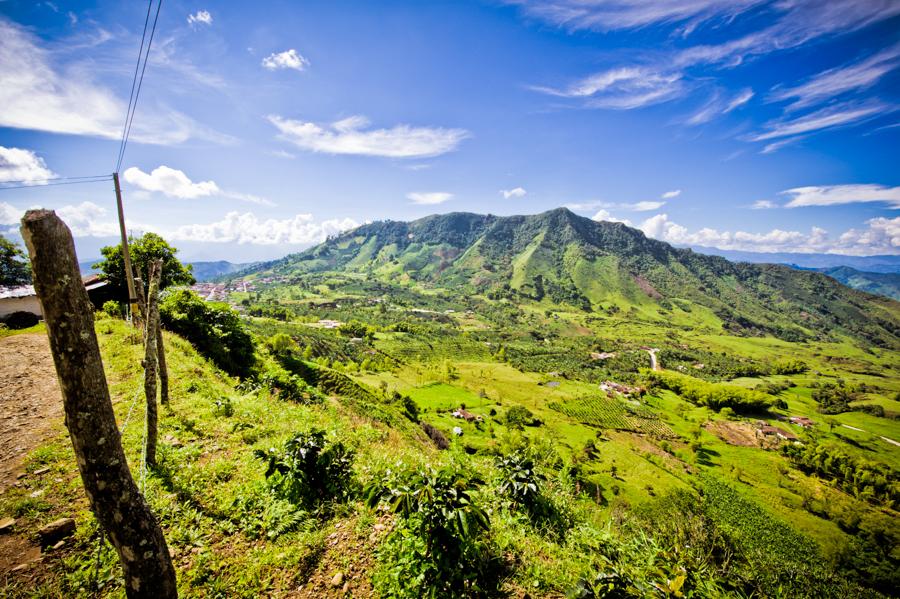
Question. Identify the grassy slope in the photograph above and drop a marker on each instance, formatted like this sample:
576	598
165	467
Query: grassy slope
218	546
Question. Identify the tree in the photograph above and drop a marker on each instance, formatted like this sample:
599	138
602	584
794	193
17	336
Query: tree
144	249
14	266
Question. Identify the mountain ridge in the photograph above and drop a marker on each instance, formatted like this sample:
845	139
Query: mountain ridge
560	257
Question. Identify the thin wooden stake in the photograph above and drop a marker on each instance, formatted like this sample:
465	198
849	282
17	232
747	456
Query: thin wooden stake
114	497
151	362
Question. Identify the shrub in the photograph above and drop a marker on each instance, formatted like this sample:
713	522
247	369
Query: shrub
716	396
214	329
21	320
437	549
518	479
436	436
113	308
518	416
309	471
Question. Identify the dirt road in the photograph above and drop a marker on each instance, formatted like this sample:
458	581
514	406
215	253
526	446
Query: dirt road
30	403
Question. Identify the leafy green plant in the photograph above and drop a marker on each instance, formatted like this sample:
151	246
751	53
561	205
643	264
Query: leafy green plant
214	329
309	471
438	550
519	480
113	308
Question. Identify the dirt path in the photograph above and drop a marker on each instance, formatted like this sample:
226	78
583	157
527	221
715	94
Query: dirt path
30	403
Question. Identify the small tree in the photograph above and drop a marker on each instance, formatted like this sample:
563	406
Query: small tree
144	249
14	266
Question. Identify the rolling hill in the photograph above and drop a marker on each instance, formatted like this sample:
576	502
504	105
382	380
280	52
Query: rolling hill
561	258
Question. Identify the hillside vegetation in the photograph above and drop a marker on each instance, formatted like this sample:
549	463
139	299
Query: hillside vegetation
467	406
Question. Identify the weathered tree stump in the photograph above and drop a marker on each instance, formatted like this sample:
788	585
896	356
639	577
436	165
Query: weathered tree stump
114	498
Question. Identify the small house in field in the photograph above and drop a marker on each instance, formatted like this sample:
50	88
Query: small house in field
769	431
802	421
466	415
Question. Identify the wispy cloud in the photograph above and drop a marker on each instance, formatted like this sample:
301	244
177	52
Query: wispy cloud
719	104
174	183
351	136
624	88
201	17
603	15
17	164
39	95
834	195
669	195
429	198
516	192
834	82
826	118
289	59
764	205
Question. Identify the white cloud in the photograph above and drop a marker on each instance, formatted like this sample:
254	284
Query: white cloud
235	227
623	88
36	94
350	136
718	105
881	236
605	215
627	14
289	59
201	17
174	183
9	214
826	118
643	206
739	100
86	220
170	182
764	205
837	81
833	195
777	145
669	195
17	164
429	198
516	192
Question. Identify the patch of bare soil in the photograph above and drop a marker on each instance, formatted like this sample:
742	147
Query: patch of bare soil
733	433
345	568
30	401
30	413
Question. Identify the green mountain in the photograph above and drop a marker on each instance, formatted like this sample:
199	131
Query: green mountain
558	257
887	284
207	271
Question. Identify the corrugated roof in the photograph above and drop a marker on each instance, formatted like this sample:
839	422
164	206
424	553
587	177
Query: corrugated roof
14	292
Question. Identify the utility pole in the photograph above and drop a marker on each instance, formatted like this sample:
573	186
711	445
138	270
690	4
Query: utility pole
129	273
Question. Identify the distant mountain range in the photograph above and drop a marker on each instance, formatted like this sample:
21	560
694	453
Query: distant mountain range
875	264
573	260
203	271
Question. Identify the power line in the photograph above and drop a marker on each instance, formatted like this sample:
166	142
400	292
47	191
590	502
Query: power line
52	182
134	80
129	119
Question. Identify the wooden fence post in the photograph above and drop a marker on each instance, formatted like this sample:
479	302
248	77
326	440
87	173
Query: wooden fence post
163	368
112	493
151	363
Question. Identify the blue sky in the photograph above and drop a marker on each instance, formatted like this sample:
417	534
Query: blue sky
264	126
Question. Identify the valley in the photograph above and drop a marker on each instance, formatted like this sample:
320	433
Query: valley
688	425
